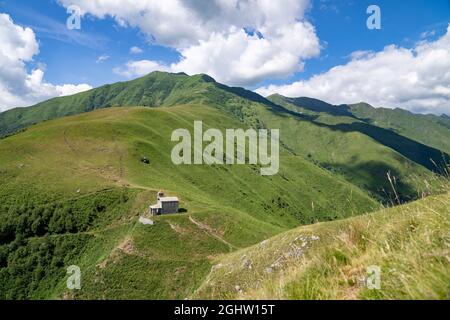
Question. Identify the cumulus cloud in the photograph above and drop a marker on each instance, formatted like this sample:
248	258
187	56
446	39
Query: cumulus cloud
238	42
416	79
18	87
240	58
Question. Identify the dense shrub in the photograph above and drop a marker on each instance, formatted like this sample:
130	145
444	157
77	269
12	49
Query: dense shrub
39	238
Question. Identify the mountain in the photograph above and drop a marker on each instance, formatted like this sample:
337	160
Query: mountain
365	155
361	151
154	90
330	260
428	129
73	185
72	190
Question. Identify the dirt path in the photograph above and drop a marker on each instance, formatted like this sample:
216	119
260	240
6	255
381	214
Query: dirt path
212	233
68	144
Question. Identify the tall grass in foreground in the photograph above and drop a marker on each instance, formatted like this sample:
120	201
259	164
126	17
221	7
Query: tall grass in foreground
410	243
436	183
410	246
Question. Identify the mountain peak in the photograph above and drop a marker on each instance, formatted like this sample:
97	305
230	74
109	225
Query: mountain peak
156	89
206	78
275	95
363	104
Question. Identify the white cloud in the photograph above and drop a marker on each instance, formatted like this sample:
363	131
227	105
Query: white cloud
69	89
19	88
136	50
210	36
239	58
140	68
102	58
40	90
416	79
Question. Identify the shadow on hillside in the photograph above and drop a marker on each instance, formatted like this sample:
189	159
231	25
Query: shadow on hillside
254	97
376	182
430	158
316	105
243	93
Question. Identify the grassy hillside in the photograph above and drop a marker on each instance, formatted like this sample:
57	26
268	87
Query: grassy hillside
157	89
362	153
72	190
154	90
329	260
331	137
428	129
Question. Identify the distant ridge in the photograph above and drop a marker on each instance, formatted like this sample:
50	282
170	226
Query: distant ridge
156	89
430	130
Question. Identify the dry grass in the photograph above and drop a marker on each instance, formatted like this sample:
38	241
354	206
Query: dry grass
410	244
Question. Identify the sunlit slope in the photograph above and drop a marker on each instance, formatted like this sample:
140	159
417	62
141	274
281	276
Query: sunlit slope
106	147
348	145
153	90
329	260
83	179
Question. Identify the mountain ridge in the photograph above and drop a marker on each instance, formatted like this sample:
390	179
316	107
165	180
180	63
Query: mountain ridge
320	126
153	90
72	190
430	130
113	95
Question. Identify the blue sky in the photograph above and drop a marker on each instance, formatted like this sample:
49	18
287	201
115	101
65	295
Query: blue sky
71	56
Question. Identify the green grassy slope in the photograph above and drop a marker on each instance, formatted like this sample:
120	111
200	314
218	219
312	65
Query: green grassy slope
154	90
362	153
329	260
82	179
428	129
330	136
72	189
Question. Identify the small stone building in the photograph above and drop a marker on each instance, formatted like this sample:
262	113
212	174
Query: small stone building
164	205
